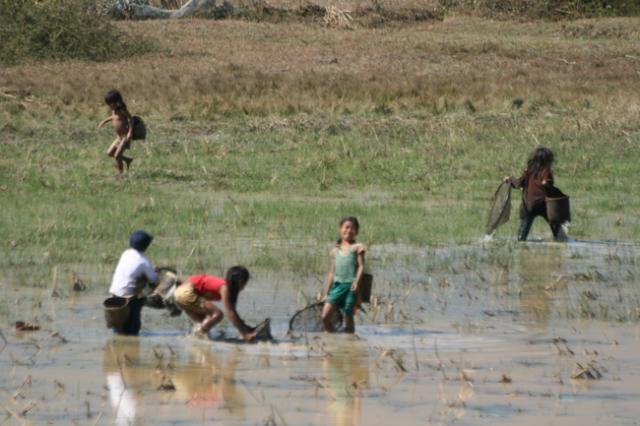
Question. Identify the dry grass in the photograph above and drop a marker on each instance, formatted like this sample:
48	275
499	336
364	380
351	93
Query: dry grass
212	67
410	127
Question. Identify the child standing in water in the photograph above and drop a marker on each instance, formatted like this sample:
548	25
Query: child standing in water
537	183
123	125
346	265
133	272
196	294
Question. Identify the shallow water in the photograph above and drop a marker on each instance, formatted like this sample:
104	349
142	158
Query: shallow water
486	333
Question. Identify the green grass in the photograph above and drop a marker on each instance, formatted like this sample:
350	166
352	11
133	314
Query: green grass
244	152
422	181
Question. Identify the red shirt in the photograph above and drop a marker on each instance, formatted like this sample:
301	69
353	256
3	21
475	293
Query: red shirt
207	286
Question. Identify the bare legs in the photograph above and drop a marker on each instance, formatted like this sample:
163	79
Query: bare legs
116	150
327	313
208	318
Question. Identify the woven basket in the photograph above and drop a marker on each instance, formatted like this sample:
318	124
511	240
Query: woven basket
558	209
116	311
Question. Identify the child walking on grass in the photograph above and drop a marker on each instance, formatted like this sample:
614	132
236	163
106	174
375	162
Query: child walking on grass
537	184
196	295
346	265
123	124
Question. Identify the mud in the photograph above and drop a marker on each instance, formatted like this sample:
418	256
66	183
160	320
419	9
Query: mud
494	333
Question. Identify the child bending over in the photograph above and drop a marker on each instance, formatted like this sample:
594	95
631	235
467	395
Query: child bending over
196	295
346	265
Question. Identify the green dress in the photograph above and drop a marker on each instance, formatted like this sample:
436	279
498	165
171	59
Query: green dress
340	294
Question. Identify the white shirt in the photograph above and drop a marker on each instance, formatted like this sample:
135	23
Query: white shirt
134	270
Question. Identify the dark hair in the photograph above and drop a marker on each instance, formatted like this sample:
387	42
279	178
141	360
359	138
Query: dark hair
140	240
235	276
113	97
354	222
540	159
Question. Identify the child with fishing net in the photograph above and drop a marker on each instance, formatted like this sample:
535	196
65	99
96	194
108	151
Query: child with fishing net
346	266
197	293
537	187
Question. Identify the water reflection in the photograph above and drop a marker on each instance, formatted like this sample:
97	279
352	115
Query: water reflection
193	383
207	383
541	282
122	379
347	373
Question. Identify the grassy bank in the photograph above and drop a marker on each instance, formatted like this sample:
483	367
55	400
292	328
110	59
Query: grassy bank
273	132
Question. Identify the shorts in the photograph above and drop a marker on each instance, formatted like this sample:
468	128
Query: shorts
187	298
341	296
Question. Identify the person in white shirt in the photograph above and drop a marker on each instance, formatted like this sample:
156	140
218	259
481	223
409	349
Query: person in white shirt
133	273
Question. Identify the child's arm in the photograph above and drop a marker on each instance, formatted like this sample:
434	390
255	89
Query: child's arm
515	182
233	316
332	268
105	121
360	259
130	125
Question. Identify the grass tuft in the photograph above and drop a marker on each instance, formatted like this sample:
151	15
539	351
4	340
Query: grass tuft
61	29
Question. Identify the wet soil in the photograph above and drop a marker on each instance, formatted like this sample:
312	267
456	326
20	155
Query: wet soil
493	333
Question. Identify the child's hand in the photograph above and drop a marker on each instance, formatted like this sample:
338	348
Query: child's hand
249	336
355	286
506	179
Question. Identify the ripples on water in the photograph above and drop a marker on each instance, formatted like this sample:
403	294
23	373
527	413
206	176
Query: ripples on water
460	333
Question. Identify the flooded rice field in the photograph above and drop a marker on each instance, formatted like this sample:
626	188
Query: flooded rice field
489	333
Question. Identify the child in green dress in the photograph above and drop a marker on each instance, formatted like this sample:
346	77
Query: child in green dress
346	264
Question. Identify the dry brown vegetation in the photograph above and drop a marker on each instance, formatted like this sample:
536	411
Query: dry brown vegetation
206	68
401	122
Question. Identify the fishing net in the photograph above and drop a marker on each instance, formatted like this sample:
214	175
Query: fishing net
309	319
500	208
263	332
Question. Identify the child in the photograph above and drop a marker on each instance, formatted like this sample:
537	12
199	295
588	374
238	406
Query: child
133	273
195	296
537	183
123	125
346	264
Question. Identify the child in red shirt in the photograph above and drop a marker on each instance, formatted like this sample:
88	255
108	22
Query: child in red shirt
196	294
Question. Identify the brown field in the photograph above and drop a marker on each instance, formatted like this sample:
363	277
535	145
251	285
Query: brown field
203	68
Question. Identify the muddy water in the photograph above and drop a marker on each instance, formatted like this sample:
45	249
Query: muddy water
485	333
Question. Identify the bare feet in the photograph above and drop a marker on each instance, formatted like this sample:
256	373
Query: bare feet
198	333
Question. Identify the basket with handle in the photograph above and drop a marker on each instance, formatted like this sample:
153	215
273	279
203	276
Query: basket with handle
558	209
116	311
366	282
